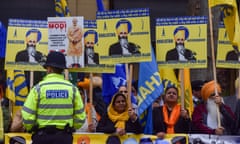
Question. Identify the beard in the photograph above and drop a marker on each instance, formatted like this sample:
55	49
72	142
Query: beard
180	47
123	41
89	50
31	49
212	114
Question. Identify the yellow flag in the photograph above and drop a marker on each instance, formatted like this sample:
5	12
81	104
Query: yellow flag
61	8
169	77
212	3
231	22
17	89
188	91
188	101
10	91
230	18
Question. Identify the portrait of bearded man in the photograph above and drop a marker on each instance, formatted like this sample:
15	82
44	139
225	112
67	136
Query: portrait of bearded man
180	53
90	56
30	54
123	46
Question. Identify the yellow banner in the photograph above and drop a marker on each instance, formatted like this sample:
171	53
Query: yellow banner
27	44
188	101
124	36
231	22
100	138
91	55
181	42
212	3
227	54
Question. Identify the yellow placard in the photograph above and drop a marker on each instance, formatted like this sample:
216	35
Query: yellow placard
124	36
181	42
91	55
227	54
101	138
22	34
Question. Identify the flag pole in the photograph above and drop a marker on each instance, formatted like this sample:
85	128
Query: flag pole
129	85
66	74
182	88
31	79
213	60
90	99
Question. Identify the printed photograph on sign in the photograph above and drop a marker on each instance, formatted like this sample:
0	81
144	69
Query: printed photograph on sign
66	35
27	44
181	42
91	55
227	53
124	36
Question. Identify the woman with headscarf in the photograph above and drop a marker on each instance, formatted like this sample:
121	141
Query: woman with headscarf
120	118
170	118
205	116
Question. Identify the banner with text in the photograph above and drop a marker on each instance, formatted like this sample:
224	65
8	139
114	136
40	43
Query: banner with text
91	55
124	36
181	42
27	44
100	138
65	34
227	54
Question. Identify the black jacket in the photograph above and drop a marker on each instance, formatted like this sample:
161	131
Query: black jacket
105	125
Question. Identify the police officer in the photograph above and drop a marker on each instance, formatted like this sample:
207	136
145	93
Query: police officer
53	108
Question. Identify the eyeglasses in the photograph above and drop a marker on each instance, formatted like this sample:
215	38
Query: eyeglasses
123	91
214	94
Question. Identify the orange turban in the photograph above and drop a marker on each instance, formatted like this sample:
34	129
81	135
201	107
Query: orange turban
84	84
209	88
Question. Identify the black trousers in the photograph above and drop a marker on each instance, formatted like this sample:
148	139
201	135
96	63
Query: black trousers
59	137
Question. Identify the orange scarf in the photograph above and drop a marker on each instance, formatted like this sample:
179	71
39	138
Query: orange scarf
171	121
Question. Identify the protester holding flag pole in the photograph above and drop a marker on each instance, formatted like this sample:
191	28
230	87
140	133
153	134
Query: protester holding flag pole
229	10
205	118
210	3
170	118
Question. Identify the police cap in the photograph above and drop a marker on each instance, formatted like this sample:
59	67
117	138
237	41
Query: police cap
56	59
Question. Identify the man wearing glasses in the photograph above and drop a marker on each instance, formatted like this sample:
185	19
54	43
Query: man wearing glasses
180	53
123	47
213	116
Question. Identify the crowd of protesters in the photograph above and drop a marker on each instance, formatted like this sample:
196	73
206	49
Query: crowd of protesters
211	114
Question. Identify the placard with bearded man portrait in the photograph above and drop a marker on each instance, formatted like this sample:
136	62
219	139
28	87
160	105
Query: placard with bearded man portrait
181	42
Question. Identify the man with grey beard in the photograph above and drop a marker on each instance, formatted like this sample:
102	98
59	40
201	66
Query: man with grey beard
180	53
213	116
30	54
123	46
90	39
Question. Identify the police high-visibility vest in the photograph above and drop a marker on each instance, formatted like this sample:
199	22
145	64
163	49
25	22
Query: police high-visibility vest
54	101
